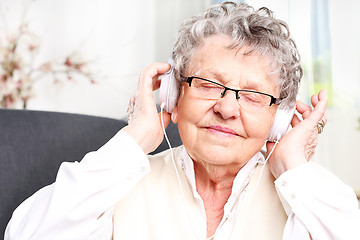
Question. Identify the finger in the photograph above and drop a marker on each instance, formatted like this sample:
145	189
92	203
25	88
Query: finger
295	121
320	108
156	82
314	100
323	95
150	75
303	109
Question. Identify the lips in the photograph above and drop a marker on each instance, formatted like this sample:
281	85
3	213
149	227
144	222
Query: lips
223	131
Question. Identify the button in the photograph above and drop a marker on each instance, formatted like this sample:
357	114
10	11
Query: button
181	164
284	183
292	196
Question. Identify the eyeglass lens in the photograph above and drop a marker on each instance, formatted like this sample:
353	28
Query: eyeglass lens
207	89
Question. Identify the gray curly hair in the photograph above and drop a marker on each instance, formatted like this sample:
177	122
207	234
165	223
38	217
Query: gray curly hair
256	29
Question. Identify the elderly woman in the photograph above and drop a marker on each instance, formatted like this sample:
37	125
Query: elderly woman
235	69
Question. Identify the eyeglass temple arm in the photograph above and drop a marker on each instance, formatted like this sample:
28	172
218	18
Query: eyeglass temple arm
275	100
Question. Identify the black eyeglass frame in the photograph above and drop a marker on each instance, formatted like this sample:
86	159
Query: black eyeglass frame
273	99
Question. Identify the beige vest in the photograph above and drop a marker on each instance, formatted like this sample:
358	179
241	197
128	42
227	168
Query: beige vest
155	208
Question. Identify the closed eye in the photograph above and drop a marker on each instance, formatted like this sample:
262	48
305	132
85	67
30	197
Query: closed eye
209	85
251	97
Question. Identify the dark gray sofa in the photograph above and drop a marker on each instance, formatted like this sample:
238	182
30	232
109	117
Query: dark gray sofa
33	144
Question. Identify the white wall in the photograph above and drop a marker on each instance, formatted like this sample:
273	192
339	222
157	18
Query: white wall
169	16
116	35
340	145
120	38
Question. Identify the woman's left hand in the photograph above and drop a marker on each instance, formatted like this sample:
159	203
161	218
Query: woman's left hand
298	145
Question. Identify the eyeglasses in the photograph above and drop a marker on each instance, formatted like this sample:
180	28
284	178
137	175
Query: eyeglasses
210	90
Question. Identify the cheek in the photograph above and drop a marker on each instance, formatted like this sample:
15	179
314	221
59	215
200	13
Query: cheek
258	125
185	115
190	110
190	115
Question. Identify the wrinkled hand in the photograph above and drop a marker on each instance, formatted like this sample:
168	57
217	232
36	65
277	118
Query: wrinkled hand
144	120
298	145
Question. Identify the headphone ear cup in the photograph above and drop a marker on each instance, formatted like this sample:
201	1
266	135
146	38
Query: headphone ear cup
169	90
281	123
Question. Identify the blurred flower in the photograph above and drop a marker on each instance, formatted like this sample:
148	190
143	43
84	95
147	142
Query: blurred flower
18	73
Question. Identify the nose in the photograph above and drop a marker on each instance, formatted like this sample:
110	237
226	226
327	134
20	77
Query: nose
227	106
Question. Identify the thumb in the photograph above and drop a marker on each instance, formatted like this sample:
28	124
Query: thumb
166	117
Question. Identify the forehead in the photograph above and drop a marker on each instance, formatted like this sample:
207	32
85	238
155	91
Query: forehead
213	58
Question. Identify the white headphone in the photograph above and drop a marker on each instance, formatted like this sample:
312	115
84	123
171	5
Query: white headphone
169	93
169	90
281	123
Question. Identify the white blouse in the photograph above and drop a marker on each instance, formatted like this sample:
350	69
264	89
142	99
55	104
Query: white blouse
80	204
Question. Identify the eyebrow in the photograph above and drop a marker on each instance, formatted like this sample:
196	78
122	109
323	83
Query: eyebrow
253	85
221	78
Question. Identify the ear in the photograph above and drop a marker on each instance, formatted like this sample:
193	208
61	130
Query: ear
174	113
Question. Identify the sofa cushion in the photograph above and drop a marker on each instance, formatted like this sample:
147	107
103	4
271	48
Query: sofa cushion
33	144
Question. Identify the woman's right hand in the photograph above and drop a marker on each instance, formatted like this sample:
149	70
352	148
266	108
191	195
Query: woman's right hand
144	120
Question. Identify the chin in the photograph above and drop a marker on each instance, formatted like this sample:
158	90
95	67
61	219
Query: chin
217	154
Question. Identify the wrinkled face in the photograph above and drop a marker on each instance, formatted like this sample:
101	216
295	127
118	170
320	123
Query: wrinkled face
222	132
